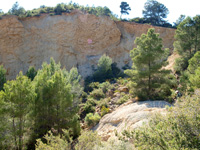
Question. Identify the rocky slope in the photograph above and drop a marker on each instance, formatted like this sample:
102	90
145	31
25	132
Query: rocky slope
74	39
128	116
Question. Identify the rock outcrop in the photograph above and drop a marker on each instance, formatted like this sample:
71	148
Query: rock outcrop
128	117
73	39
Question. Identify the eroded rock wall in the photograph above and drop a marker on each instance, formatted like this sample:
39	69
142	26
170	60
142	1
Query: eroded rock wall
74	39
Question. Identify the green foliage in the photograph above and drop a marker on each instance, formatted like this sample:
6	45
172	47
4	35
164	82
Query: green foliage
31	73
124	8
57	99
104	110
59	9
189	79
92	120
17	10
195	78
6	137
97	94
147	74
188	37
123	98
88	140
122	81
2	77
104	70
104	102
178	129
105	86
184	83
52	143
179	20
89	106
194	63
155	12
181	64
18	95
138	20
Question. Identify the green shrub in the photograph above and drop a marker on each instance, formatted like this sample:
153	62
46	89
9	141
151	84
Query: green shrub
180	64
97	94
59	9
122	81
94	85
52	143
104	70
105	86
124	98
89	107
114	144
194	63
195	79
91	119
104	111
88	140
104	102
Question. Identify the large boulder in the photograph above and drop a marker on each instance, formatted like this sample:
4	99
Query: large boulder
128	117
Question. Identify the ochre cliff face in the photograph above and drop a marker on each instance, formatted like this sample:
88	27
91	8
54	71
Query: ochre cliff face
74	40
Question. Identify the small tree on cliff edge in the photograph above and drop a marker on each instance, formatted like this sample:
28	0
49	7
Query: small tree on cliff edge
124	8
148	77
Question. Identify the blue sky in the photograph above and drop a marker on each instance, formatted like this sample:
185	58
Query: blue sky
176	7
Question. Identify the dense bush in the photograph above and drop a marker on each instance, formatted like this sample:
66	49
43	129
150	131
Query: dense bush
123	98
195	78
91	119
53	142
104	110
106	70
88	140
180	64
97	94
59	9
194	63
89	106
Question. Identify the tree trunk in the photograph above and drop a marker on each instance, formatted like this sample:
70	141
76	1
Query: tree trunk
20	133
14	129
149	83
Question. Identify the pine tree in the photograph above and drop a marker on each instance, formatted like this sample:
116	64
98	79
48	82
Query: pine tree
104	69
31	73
56	104
124	8
188	37
18	94
149	79
155	12
2	77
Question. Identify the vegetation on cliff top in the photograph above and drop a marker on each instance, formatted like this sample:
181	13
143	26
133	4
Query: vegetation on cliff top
154	12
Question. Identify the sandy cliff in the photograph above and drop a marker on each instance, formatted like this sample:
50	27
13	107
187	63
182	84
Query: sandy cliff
74	39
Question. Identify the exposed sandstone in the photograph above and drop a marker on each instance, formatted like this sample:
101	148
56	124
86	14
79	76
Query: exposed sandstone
74	39
128	116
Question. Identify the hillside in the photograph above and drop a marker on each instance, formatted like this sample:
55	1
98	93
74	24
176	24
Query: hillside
73	39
